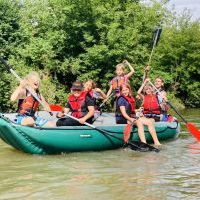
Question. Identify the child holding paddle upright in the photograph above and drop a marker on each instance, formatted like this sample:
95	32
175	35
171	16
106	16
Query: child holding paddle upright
154	104
121	78
27	94
126	113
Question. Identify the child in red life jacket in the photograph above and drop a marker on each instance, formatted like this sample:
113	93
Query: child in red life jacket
81	106
150	102
125	113
121	77
27	104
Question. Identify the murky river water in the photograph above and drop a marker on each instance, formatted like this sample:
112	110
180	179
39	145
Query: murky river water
174	173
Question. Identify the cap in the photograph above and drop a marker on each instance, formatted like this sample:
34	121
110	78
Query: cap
77	86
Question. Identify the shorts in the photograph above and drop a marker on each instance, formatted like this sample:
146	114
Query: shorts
71	122
39	121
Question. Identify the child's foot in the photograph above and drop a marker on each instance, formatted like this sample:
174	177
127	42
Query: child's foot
157	144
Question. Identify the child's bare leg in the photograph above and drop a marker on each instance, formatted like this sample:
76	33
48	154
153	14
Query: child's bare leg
140	126
151	127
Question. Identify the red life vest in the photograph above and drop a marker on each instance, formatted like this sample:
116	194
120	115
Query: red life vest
29	106
130	109
77	105
131	101
151	105
118	81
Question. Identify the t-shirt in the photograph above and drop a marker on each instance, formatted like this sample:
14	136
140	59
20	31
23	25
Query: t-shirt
119	117
122	102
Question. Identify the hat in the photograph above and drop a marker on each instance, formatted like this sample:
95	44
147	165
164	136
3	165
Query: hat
77	85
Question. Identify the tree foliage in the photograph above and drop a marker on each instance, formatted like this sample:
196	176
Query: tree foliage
67	40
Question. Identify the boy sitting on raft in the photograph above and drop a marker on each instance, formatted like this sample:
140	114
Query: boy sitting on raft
80	104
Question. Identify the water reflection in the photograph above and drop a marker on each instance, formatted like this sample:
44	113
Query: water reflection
120	174
194	148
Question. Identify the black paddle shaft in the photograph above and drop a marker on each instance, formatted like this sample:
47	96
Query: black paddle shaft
134	145
176	112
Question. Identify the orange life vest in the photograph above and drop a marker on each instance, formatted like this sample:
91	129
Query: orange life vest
151	105
29	106
118	81
77	105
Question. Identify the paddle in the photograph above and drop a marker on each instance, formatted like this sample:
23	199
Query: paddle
134	145
55	107
100	107
190	126
33	93
156	37
103	103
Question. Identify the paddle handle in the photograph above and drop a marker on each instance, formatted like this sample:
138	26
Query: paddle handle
72	117
150	57
102	104
154	44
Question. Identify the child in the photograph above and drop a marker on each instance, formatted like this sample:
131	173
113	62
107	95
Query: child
27	104
121	78
125	113
81	106
159	84
95	92
153	104
150	104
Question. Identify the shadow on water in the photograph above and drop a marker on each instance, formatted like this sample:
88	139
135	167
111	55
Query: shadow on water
117	174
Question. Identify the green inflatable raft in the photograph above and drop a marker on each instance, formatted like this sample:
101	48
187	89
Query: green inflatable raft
35	140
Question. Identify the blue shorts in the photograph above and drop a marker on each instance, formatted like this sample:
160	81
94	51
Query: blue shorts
39	121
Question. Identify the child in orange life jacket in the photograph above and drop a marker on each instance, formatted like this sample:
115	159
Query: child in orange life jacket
27	104
150	102
96	93
125	113
81	106
121	77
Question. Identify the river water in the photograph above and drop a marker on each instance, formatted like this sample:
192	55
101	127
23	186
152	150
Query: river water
174	173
